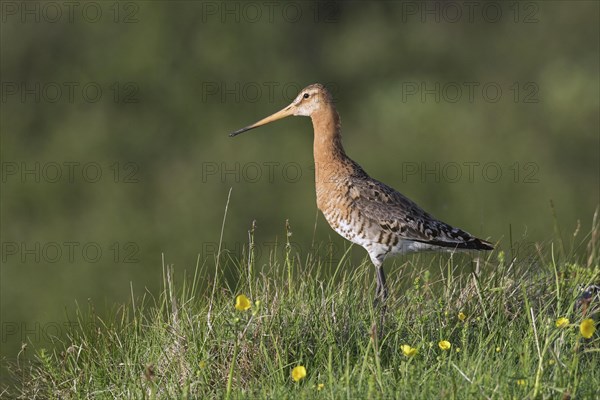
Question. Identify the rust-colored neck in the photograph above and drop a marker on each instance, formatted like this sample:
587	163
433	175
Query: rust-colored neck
332	165
328	149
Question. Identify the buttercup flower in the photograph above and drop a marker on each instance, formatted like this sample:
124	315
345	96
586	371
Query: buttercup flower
462	316
521	382
444	345
242	303
587	328
562	322
408	351
320	386
298	373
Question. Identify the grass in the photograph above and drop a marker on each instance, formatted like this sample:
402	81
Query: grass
191	342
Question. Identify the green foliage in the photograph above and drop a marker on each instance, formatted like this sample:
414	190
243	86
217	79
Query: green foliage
192	342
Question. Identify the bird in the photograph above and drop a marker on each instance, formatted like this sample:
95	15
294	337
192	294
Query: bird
361	209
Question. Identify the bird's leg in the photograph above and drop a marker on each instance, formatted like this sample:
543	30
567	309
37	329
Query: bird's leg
381	295
381	292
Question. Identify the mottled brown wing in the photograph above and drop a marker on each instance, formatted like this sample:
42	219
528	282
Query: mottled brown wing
396	213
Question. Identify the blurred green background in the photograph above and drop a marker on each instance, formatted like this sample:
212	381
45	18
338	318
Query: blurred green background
115	119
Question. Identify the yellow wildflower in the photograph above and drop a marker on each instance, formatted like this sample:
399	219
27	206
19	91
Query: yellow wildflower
562	322
320	386
498	349
521	382
587	328
298	373
444	345
462	316
408	351
242	303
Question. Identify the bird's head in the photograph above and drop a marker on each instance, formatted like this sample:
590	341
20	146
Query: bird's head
310	99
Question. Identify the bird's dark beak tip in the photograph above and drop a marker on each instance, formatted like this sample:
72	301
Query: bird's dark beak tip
235	133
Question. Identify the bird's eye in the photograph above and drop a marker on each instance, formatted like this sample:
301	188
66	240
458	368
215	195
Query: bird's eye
306	95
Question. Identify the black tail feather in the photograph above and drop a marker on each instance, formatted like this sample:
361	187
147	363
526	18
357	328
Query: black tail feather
471	244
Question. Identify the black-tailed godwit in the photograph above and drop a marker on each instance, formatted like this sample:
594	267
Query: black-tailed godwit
362	209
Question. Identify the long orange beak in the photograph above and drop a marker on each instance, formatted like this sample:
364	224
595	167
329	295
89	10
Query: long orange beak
286	112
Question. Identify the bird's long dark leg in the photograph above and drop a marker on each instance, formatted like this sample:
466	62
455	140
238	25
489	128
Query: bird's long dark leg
381	293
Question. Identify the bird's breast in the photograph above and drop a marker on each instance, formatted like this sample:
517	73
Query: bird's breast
337	203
